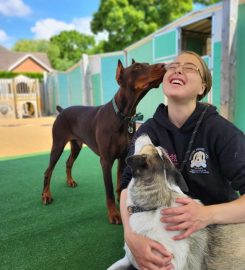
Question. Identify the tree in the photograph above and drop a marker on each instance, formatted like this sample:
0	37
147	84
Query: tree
26	45
72	45
127	21
63	50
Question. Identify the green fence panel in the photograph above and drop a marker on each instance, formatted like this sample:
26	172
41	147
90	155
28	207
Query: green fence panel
148	104
51	94
64	98
240	67
206	59
165	44
108	73
96	85
75	83
143	53
55	92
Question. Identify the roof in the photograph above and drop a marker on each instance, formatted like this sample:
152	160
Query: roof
9	59
2	49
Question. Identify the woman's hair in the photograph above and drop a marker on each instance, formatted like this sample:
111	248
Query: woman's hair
207	77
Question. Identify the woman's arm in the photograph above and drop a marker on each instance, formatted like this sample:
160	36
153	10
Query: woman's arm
192	216
143	249
226	213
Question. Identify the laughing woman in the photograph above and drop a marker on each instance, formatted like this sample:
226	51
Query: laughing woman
207	149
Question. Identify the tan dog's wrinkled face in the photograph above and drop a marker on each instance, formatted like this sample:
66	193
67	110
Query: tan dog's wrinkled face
146	163
151	161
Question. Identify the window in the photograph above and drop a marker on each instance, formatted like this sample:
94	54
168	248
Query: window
22	88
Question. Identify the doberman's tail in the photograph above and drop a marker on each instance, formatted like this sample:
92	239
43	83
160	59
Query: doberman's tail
59	109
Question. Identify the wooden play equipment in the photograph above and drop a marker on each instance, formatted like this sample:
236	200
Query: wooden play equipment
20	98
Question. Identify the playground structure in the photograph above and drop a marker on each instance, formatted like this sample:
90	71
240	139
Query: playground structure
20	98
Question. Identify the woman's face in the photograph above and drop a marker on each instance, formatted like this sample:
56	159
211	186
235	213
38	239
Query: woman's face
183	80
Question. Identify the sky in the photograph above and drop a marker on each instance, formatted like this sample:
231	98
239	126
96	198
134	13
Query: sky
41	19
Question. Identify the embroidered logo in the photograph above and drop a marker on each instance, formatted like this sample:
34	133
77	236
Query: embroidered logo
173	157
198	160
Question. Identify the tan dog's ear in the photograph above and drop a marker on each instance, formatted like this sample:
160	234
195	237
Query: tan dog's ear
175	176
119	72
133	61
180	181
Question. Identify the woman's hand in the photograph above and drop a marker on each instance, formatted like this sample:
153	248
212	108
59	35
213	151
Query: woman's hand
188	218
148	254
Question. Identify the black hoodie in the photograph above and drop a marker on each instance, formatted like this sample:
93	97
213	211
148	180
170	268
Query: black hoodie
215	169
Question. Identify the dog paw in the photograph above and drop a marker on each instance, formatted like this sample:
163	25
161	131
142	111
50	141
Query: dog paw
47	197
47	200
71	183
115	219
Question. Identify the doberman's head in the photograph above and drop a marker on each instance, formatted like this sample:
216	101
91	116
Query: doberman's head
140	77
135	81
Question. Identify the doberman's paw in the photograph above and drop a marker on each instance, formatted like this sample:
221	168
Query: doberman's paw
71	183
115	218
46	199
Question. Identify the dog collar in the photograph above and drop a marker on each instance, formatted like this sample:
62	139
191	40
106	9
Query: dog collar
138	209
121	115
131	119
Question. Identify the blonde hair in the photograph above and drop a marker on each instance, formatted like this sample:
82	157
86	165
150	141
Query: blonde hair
207	77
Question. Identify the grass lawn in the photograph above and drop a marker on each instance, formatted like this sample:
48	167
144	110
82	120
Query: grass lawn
71	233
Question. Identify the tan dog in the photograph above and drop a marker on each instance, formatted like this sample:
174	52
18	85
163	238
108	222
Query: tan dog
155	185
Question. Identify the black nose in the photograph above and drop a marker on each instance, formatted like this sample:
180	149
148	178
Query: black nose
136	161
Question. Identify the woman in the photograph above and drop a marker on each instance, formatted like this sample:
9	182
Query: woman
213	163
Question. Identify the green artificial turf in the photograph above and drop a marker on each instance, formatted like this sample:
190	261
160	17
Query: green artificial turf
71	233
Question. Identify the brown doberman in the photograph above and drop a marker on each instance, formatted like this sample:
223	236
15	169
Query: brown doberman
105	129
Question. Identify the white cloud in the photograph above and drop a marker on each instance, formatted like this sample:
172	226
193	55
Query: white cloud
3	37
14	8
83	25
44	29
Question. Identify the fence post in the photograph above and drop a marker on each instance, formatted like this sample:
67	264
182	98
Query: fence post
87	89
229	23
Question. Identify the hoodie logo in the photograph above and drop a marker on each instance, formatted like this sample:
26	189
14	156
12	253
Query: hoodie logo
198	160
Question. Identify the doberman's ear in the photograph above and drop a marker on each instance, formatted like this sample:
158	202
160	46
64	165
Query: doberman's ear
133	61
120	69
